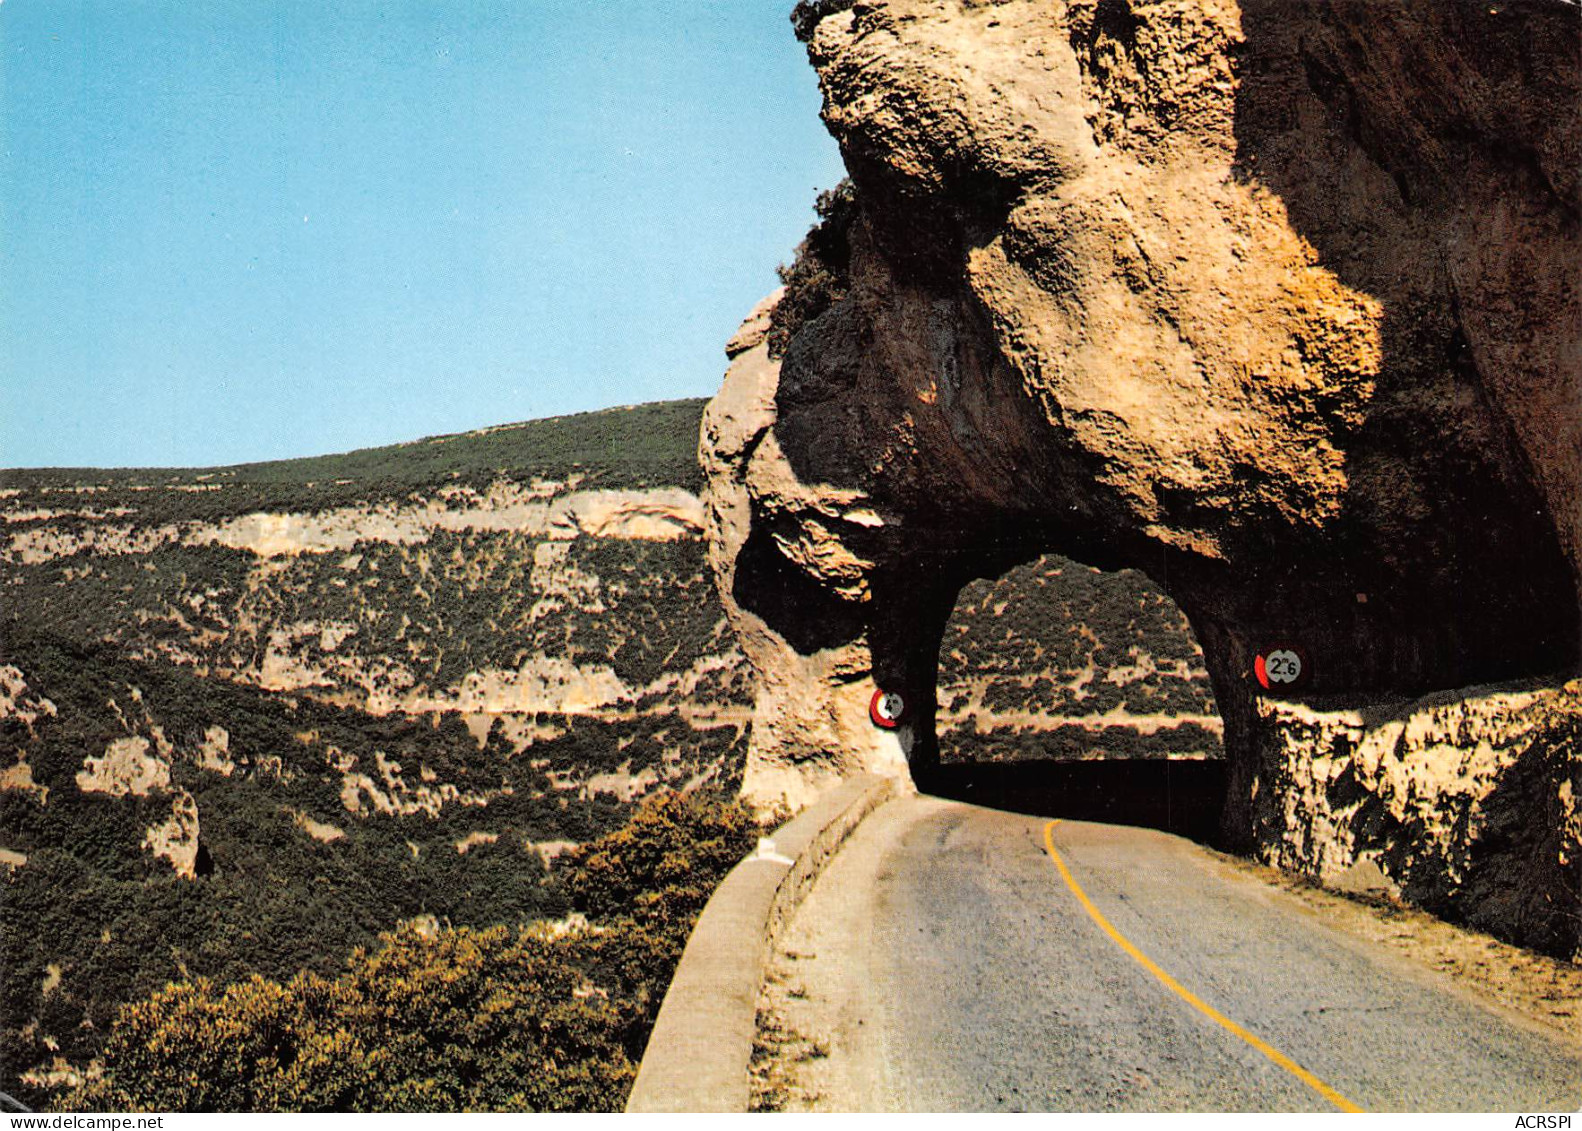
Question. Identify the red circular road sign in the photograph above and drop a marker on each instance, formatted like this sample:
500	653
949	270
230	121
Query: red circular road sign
886	709
1278	669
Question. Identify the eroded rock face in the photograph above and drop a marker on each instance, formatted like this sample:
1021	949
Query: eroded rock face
1466	802
1274	301
810	720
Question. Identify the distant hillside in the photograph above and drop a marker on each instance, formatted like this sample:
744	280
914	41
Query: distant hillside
547	566
1059	660
636	446
254	715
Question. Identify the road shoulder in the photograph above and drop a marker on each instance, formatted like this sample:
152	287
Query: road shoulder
1534	991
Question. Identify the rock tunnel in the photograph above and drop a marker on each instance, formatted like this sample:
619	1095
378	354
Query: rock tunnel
1229	295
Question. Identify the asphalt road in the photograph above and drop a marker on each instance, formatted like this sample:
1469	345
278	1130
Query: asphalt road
950	966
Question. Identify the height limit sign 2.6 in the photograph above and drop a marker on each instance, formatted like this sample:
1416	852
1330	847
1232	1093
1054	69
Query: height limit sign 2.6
1283	668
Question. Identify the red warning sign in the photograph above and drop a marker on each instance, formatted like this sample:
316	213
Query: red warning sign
1279	668
886	709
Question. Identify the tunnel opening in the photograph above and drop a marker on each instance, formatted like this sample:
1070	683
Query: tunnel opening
1069	691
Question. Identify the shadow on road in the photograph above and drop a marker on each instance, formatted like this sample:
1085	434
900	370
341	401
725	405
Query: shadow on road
1182	797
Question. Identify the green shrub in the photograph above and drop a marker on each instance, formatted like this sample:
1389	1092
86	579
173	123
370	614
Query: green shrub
454	1019
662	866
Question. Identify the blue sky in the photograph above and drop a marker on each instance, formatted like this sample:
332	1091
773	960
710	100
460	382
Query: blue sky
248	229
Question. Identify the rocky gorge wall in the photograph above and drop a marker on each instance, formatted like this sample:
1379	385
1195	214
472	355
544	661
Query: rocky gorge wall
1275	302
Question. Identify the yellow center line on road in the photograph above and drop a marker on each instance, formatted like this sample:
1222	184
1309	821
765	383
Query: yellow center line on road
1185	994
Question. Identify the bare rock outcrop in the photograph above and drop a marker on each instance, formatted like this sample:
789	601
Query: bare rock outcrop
1275	301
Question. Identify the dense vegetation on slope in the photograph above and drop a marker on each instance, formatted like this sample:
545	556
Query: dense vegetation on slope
537	1018
287	878
461	601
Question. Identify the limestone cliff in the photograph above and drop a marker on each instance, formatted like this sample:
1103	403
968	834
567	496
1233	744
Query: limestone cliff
1276	302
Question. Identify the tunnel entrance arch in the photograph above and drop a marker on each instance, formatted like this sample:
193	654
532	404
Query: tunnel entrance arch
1078	692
